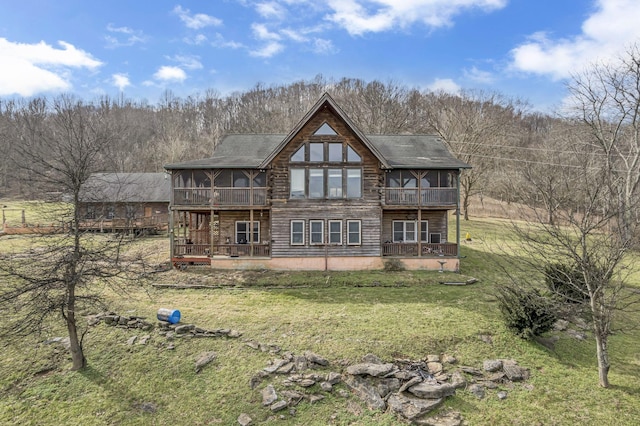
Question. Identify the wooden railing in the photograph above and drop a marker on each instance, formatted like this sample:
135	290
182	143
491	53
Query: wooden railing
421	197
231	250
412	249
220	196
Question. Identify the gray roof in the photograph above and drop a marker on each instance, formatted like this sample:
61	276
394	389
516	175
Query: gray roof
127	188
399	151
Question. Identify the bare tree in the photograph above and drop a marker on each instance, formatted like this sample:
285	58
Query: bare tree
60	144
584	249
475	126
606	98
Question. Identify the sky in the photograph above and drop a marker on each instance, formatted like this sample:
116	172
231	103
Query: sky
524	49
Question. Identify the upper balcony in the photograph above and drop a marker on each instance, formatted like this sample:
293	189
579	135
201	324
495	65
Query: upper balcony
220	197
423	197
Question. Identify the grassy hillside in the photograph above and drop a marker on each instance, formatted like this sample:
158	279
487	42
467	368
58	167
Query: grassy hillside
341	316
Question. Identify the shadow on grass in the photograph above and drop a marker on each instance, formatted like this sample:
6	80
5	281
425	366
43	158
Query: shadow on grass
119	394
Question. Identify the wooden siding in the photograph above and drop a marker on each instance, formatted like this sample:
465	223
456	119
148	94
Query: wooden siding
437	222
369	216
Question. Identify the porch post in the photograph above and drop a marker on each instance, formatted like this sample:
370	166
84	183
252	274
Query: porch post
458	215
171	230
251	231
420	232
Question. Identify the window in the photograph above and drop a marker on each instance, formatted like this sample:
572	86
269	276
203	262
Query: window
352	155
335	183
297	183
111	212
316	183
435	238
298	156
91	212
353	232
335	152
297	232
406	231
354	183
316	152
335	232
243	235
424	228
316	231
325	130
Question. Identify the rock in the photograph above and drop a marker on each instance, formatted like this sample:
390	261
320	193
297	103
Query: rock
371	359
300	363
449	359
369	369
184	329
234	334
278	406
245	420
269	395
577	335
326	386
365	391
252	344
477	390
411	407
148	407
293	398
286	368
458	380
502	395
547	342
315	358
144	339
514	372
204	359
432	391
434	367
275	365
472	371
433	358
334	378
492	365
306	383
64	341
412	382
132	340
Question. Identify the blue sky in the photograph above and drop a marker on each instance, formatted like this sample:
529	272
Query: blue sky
520	48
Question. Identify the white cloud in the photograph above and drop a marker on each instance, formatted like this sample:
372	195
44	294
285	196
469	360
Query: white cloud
121	81
362	16
271	10
270	49
196	21
198	39
261	32
610	29
479	76
28	69
187	61
129	36
167	73
444	85
324	47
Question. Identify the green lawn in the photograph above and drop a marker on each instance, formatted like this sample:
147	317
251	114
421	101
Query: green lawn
341	316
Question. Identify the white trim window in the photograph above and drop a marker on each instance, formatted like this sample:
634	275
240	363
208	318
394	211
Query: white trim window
354	232
335	232
316	232
242	232
297	232
406	231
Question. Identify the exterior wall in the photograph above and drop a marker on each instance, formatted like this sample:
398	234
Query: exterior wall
331	263
366	209
120	209
228	221
437	222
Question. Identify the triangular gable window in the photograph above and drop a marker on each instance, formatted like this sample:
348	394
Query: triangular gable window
298	155
325	130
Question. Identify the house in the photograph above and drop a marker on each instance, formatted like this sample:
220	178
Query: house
125	202
323	197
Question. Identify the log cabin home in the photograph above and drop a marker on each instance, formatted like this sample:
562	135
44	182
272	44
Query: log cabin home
136	203
323	197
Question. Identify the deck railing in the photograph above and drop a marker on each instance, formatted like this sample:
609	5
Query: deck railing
412	249
421	197
231	250
220	196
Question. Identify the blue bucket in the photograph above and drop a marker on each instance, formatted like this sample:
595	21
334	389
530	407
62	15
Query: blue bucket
172	316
